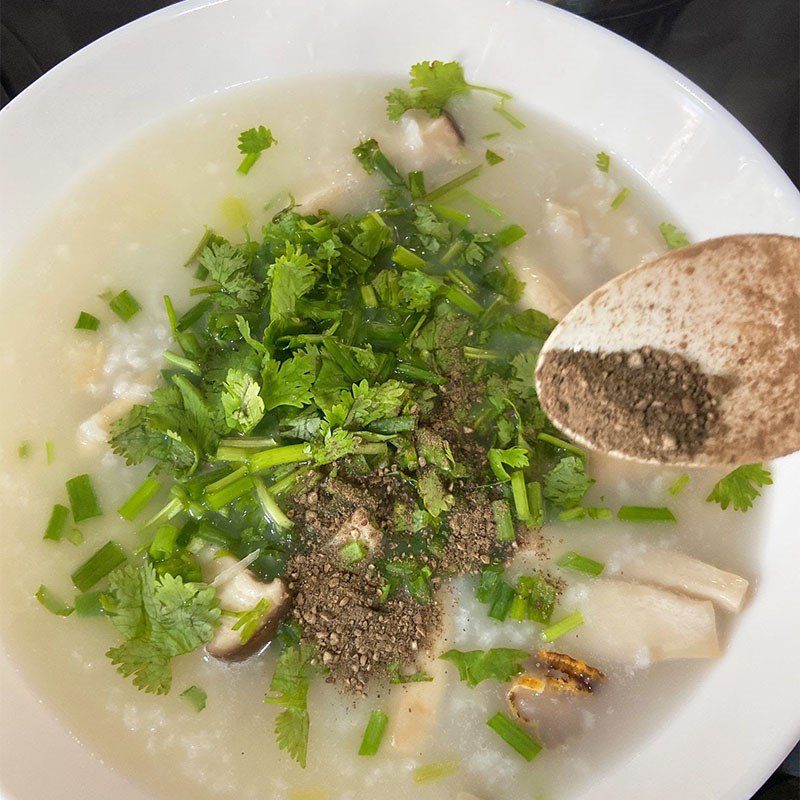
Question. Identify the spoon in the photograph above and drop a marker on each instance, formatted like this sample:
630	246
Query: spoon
722	317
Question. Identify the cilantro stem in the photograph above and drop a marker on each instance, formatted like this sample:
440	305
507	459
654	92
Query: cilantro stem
497	92
460	218
287	454
479	354
416	183
462	280
286	483
373	734
462	300
136	503
96	567
503	521
393	425
247	443
418	374
270	505
484	204
508	116
220	498
435	772
247	163
620	198
368	296
455	183
535	502
453	251
564	445
520	495
562	627
226	480
207	236
679	484
183	363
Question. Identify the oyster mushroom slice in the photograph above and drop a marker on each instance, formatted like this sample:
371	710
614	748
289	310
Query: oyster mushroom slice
239	590
682	573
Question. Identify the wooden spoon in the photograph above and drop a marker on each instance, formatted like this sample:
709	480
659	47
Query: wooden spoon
732	305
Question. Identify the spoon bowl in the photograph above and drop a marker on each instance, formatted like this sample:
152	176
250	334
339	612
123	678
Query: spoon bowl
730	306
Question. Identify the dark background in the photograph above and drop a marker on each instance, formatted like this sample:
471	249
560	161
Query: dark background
744	53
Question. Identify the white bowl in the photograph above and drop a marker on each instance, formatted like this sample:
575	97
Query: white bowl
713	176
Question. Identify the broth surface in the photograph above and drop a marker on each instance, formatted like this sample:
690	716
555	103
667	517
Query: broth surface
132	225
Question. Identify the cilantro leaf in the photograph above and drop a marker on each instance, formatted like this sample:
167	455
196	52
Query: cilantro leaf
514	457
374	235
243	406
289	687
602	161
375	402
293	275
160	617
433	232
336	444
672	236
740	487
567	483
434	496
436	82
288	384
228	267
252	143
475	666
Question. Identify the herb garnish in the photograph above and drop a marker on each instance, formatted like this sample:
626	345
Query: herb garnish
740	487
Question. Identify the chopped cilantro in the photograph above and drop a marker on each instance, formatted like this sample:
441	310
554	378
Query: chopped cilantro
248	622
672	236
740	487
196	697
498	664
620	198
602	161
373	734
289	687
252	143
567	483
492	158
161	617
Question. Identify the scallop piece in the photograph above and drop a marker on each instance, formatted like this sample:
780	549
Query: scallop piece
632	624
672	570
97	428
414	707
240	590
424	141
553	716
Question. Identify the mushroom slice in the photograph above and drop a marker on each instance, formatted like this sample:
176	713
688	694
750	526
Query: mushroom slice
520	686
688	575
628	623
576	675
414	707
358	528
239	590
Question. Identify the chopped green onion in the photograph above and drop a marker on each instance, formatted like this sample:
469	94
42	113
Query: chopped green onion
535	503
416	183
95	568
602	161
679	484
368	296
49	452
270	506
87	322
564	626
540	595
137	502
89	604
508	235
503	521
58	519
394	425
492	135
493	158
620	198
173	320
195	695
479	354
520	494
514	736
124	305
579	563
462	300
487	583
435	772
446	188
164	542
74	537
373	734
403	257
52	603
352	553
227	494
564	445
24	449
502	599
584	512
82	498
645	514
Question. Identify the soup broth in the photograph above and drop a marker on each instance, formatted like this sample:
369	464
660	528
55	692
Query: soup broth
132	224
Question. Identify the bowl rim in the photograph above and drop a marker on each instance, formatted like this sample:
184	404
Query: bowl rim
761	192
